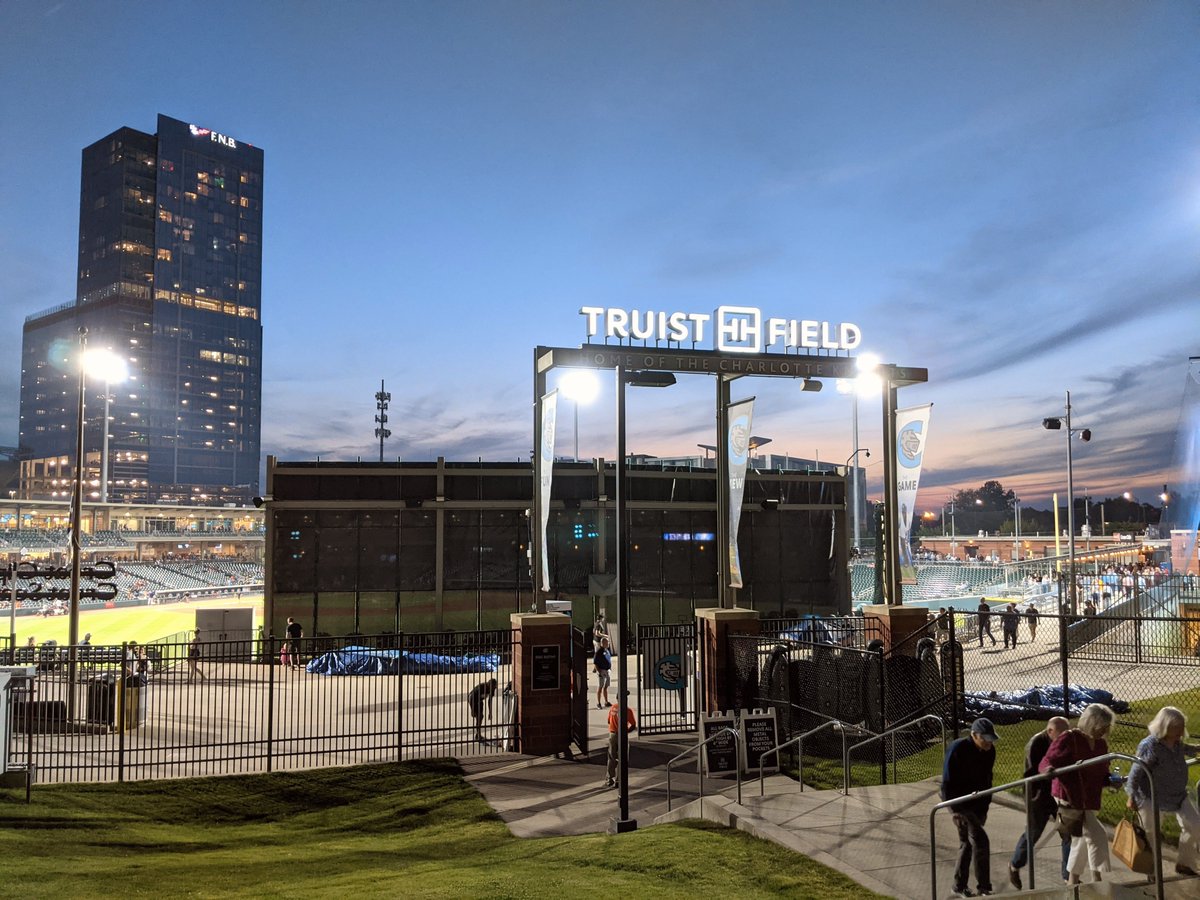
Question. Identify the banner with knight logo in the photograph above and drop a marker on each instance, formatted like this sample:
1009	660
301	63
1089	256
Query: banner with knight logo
546	479
737	450
912	430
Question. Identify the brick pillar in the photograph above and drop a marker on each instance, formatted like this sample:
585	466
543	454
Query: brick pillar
543	713
713	626
894	623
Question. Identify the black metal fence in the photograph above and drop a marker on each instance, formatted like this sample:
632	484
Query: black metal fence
666	681
206	708
1135	664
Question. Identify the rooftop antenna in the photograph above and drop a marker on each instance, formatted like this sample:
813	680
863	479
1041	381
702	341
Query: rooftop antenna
382	398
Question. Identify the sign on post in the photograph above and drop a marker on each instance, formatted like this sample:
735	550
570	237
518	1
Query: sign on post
720	755
759	733
546	675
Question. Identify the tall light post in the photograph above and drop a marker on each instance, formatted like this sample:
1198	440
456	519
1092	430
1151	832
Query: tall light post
866	383
581	386
1016	529
106	365
1055	423
625	378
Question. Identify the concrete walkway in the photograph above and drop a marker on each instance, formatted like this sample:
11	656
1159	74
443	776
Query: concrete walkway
878	836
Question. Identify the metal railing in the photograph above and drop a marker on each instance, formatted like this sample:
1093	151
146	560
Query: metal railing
845	728
878	737
737	745
1156	844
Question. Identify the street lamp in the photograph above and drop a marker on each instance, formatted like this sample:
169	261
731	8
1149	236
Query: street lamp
1055	423
112	369
853	475
634	379
581	386
867	383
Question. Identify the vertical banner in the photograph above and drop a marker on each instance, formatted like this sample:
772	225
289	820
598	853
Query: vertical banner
912	430
545	479
737	449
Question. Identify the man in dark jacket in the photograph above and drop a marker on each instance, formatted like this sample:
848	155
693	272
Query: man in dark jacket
967	769
983	617
1042	806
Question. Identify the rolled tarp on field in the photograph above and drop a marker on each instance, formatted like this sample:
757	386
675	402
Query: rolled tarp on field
369	661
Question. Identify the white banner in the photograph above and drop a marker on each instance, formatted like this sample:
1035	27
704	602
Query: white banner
545	479
737	454
912	430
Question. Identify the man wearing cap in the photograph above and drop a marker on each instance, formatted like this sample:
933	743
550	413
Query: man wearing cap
968	768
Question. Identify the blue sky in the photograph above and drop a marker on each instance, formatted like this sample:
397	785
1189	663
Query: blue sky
1007	194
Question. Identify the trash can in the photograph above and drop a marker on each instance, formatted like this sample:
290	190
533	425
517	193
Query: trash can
102	699
133	702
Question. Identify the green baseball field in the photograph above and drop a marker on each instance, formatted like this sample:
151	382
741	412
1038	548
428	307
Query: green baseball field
138	623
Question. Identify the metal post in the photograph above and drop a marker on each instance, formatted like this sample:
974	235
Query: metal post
270	642
893	590
76	540
854	499
1072	592
1063	653
12	610
722	463
623	823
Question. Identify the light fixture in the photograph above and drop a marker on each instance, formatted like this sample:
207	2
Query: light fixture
810	384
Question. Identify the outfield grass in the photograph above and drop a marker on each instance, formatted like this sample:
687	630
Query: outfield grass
412	829
133	623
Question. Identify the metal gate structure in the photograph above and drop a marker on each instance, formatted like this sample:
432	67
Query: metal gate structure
666	679
581	664
187	709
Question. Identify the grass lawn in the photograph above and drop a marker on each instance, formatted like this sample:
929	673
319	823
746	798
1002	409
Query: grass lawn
134	623
411	829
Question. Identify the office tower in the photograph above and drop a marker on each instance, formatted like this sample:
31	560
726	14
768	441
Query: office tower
170	271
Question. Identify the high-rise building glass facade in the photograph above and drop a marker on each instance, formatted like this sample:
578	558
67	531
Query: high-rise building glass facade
170	272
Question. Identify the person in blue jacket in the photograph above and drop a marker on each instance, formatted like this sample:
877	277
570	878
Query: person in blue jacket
967	769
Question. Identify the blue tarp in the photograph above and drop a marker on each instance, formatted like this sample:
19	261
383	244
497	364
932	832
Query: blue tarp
368	661
1042	702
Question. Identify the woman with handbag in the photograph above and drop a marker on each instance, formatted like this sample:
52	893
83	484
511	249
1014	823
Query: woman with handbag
1162	757
1078	793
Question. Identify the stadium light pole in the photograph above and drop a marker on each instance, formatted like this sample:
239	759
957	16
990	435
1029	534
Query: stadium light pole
1055	423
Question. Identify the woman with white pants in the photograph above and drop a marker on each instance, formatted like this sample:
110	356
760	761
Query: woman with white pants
1078	793
1162	758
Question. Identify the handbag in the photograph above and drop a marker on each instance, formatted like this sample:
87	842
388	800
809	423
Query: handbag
1131	846
1070	822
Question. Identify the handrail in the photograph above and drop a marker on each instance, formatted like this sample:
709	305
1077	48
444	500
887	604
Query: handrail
737	746
1023	783
846	752
799	739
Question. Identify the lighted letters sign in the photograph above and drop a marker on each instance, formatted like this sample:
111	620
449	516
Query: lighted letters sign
214	137
732	329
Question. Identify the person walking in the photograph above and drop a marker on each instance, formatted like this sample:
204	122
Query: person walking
1078	793
295	631
1009	620
1031	620
983	616
614	739
483	692
599	630
193	660
602	665
1162	758
968	768
1042	805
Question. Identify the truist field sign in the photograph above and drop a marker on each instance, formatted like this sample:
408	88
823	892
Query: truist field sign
729	329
